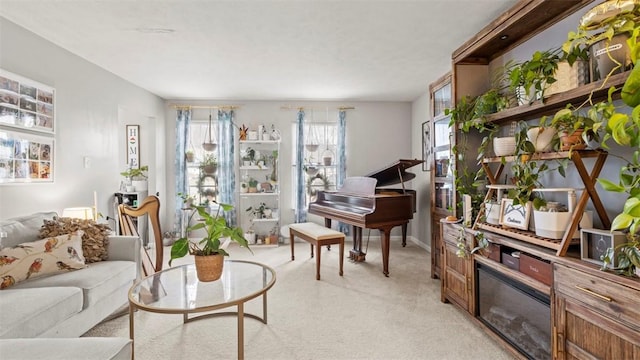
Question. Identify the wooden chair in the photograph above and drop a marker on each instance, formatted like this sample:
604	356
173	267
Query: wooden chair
150	206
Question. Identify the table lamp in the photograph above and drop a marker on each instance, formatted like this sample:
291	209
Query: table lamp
84	213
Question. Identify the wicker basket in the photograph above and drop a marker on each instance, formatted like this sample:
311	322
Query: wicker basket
569	77
209	268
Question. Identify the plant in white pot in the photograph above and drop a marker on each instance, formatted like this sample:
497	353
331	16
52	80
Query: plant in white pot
138	177
209	252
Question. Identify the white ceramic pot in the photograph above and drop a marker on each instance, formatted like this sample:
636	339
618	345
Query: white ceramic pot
552	225
504	146
541	137
140	185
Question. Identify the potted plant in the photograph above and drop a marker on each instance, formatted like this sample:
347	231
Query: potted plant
209	164
253	185
189	155
258	212
530	78
209	253
571	127
138	177
543	136
606	31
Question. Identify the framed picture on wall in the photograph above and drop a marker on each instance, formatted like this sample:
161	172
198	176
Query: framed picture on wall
426	146
25	157
26	104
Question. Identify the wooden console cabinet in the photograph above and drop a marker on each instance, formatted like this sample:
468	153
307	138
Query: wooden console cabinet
457	274
596	315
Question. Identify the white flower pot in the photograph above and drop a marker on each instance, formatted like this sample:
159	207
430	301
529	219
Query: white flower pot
504	146
140	185
541	137
552	225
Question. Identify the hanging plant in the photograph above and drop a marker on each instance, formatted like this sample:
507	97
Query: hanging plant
208	144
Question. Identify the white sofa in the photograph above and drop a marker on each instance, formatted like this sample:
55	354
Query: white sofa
68	304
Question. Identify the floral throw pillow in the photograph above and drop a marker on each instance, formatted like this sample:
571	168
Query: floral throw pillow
46	256
95	240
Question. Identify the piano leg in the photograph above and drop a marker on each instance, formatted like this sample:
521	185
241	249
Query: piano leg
356	254
404	234
385	233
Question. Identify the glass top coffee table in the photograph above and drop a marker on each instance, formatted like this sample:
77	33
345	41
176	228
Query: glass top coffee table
177	291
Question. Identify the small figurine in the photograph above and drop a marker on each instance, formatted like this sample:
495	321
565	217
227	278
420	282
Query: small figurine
275	134
243	132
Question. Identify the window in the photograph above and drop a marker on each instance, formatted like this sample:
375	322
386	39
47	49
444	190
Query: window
202	181
319	158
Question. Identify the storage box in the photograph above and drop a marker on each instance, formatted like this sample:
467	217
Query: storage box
493	252
510	261
536	268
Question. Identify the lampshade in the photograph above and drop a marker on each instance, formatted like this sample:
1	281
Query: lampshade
84	213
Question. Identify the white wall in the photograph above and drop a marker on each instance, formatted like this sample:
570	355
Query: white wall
421	225
92	108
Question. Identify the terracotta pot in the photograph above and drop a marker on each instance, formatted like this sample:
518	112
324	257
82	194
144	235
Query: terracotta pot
209	268
572	141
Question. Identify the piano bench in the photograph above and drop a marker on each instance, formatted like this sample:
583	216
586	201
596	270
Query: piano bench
318	236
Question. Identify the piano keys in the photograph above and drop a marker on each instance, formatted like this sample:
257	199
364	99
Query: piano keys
361	204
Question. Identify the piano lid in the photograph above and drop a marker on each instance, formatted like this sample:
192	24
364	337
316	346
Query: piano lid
390	175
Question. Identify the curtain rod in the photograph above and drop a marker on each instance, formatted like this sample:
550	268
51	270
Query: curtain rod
291	107
221	107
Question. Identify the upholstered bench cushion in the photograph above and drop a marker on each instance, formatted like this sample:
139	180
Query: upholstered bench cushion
316	231
97	280
66	349
28	312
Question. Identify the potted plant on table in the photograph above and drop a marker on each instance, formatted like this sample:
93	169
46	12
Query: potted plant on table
209	252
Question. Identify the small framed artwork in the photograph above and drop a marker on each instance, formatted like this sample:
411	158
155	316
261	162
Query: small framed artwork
426	146
133	146
515	216
25	157
595	242
26	104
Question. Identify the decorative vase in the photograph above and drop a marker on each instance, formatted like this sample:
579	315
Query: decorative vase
572	141
209	268
541	138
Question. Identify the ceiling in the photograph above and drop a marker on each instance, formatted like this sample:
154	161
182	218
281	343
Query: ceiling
264	49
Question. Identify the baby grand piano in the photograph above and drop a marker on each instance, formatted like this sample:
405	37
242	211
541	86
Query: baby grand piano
361	204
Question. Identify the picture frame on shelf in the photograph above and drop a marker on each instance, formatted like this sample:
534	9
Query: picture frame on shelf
595	242
426	146
515	216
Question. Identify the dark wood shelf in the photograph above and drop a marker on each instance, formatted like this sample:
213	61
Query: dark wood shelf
513	27
597	90
547	156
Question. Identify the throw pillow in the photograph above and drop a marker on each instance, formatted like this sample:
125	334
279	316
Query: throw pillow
94	241
46	256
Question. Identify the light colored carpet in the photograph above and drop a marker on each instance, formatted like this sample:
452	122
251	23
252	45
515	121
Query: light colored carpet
362	315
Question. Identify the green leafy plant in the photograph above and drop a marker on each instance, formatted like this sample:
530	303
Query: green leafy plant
216	229
257	211
136	174
479	239
536	73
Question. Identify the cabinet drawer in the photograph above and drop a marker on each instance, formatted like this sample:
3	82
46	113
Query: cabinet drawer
450	233
610	298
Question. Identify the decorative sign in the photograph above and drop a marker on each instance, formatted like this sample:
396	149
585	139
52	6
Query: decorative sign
26	104
25	157
133	146
515	216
